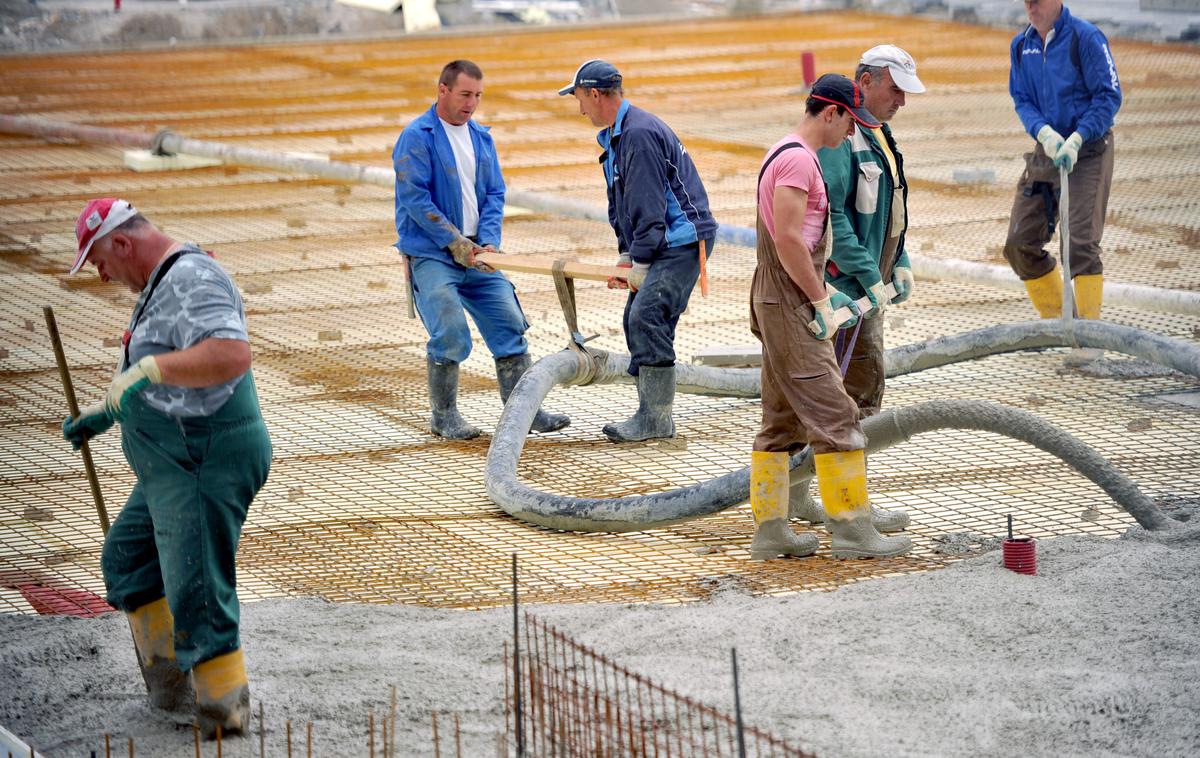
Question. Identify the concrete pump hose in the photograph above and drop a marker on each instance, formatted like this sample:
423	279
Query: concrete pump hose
661	509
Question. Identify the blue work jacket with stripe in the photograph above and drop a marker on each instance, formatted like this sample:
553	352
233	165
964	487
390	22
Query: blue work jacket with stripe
429	194
655	197
1069	82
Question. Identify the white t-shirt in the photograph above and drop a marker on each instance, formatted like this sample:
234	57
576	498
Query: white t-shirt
464	158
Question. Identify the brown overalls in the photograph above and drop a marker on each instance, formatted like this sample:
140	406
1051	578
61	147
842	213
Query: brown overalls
803	400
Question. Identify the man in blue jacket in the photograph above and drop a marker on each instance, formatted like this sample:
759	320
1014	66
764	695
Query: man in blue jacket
659	210
449	205
1063	82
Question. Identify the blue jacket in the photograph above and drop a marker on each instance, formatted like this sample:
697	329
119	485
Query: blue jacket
655	197
1071	84
428	193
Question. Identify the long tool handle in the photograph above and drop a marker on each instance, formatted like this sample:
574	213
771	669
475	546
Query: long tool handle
703	269
843	314
1064	236
68	388
545	264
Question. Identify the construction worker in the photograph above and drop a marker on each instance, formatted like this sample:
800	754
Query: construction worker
804	402
450	205
659	210
868	215
1063	81
192	433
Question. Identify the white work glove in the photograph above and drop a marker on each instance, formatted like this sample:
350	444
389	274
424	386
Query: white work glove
878	299
824	325
1051	141
902	280
128	383
1069	152
637	276
462	250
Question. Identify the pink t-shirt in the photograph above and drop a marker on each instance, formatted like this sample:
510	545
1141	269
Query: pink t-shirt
797	168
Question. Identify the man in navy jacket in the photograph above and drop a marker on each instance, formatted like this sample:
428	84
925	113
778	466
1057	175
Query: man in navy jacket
659	210
449	205
1063	82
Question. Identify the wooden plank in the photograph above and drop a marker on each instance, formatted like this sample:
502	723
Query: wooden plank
544	264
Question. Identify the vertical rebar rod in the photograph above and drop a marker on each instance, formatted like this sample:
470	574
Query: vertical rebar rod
392	717
508	701
308	738
737	706
262	732
64	373
289	739
218	741
437	747
107	753
131	749
371	733
517	663
196	738
457	737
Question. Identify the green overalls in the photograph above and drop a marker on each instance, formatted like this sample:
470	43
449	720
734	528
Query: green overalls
178	533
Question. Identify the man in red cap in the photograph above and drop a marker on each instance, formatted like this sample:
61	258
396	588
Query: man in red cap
792	314
192	432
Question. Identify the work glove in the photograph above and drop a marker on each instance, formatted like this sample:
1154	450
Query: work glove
878	299
462	250
823	325
90	422
624	260
1051	141
128	383
480	265
1069	152
637	275
902	280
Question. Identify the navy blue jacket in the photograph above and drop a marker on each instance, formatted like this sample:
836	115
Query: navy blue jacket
429	194
1070	84
655	197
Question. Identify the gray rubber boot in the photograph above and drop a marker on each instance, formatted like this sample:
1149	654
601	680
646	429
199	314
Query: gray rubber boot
773	539
508	372
656	395
443	402
857	537
803	507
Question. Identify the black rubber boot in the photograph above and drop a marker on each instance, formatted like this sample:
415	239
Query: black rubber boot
508	372
656	395
443	402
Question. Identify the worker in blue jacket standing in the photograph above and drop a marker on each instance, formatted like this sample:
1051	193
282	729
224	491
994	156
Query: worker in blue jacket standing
1064	84
450	205
658	208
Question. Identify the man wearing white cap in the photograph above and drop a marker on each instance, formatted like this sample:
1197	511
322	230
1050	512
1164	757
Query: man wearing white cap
192	432
868	214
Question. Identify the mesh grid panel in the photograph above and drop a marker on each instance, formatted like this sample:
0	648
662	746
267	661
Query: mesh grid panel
363	504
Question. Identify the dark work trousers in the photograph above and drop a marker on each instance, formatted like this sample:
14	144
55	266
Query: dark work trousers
803	400
866	370
652	313
178	533
1035	211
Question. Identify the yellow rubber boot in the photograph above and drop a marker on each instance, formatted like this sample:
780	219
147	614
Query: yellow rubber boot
154	638
1089	291
1046	292
222	695
804	507
842	480
769	487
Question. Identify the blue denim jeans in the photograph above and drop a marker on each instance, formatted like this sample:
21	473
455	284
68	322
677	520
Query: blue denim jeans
442	292
652	312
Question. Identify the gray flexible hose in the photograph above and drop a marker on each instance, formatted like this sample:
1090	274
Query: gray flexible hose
889	428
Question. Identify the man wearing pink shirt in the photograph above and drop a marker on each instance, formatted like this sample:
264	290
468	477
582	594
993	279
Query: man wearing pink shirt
804	402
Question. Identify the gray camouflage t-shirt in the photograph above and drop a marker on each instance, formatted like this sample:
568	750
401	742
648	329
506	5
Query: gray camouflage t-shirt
196	300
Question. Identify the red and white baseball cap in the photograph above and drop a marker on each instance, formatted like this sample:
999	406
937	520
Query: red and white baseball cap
99	217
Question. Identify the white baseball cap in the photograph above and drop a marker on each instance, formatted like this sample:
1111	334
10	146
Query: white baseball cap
899	63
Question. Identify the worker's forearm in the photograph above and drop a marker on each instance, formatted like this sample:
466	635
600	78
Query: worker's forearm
205	364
